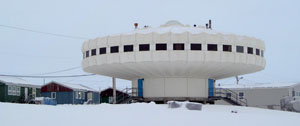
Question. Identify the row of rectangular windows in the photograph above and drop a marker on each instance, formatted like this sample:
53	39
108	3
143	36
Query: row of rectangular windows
176	46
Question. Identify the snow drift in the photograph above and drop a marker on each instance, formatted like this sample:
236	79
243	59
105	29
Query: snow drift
141	114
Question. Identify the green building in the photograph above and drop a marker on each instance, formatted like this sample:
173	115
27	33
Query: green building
106	96
17	90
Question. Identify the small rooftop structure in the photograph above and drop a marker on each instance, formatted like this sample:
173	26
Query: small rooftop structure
172	23
172	27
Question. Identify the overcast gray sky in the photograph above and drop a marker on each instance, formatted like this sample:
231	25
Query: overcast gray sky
274	21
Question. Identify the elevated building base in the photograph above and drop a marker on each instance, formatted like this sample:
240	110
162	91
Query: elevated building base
179	89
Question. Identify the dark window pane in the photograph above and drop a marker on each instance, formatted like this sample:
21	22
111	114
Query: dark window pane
228	95
87	54
257	52
227	48
250	50
241	95
102	50
212	47
196	47
114	49
94	52
240	49
262	53
128	48
161	46
144	47
178	46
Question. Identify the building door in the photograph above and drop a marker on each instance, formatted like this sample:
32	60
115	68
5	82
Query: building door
34	92
140	87
211	87
53	95
26	93
90	96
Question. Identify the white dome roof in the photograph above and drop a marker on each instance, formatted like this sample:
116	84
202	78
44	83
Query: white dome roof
172	26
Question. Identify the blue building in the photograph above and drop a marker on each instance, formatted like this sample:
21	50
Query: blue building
65	93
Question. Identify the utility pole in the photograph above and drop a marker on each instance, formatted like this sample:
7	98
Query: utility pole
114	90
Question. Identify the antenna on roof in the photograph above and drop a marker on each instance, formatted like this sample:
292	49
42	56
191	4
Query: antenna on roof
209	24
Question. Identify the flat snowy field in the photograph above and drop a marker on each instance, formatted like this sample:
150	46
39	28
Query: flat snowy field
141	114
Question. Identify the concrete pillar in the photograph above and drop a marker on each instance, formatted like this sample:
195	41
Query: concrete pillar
114	90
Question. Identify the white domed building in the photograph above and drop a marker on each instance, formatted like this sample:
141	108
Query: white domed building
173	61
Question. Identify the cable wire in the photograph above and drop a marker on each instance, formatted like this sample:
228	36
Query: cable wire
42	32
64	76
59	71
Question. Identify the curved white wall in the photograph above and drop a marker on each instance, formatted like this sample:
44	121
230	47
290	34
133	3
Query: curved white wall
173	63
174	87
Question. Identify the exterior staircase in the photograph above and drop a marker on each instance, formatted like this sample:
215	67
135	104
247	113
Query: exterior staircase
229	96
129	95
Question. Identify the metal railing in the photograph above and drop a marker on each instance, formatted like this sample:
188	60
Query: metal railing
231	96
126	95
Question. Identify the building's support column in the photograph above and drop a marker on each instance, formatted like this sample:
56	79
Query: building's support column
114	90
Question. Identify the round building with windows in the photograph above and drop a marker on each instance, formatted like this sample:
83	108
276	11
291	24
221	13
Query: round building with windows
173	61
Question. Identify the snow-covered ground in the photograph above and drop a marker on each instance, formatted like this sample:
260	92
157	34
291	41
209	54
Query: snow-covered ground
141	114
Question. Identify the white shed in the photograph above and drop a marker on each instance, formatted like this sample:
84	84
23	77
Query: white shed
263	95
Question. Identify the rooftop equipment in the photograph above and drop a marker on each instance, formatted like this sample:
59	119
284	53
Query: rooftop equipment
209	24
136	25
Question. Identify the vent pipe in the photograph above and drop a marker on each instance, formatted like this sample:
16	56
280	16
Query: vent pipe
136	25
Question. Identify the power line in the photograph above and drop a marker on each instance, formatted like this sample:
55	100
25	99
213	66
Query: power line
42	32
251	81
66	76
59	71
34	56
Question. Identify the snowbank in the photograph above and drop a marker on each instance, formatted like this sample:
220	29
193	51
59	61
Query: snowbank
141	114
